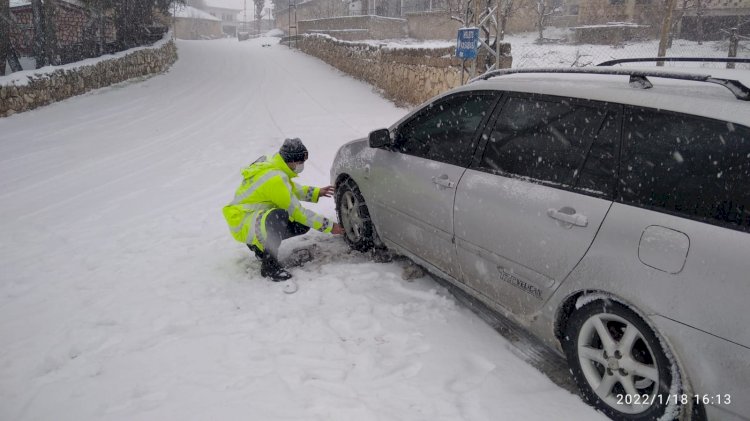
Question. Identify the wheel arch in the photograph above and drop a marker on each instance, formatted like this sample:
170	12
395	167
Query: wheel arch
571	303
341	178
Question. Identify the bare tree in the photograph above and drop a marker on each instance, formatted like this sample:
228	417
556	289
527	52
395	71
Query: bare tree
699	20
134	18
508	8
51	50
258	12
543	11
4	34
40	41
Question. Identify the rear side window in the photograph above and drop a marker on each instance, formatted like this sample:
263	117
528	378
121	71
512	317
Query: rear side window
687	165
446	131
548	140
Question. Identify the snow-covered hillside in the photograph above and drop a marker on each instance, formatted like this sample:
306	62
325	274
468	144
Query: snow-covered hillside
123	296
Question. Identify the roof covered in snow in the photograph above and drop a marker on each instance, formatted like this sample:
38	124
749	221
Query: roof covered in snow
19	3
227	4
189	12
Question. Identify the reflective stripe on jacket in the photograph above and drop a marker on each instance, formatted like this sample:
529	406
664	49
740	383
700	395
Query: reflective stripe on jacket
267	185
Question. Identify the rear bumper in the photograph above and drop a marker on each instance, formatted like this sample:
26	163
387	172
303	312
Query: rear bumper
714	367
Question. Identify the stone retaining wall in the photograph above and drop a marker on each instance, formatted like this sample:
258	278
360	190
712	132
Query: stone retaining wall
355	28
41	87
408	76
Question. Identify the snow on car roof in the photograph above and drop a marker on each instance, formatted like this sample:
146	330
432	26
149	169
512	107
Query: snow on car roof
697	98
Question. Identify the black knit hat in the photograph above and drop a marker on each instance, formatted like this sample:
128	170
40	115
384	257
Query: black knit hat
293	150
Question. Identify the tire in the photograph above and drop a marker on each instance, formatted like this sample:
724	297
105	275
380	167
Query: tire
354	216
616	360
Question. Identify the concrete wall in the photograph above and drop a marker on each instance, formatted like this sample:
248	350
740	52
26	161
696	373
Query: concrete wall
42	88
596	12
354	28
311	10
439	25
432	25
188	28
609	34
407	76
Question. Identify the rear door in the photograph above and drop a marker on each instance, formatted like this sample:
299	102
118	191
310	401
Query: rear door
682	219
529	207
414	184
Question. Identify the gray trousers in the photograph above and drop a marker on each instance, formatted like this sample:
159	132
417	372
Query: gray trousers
279	228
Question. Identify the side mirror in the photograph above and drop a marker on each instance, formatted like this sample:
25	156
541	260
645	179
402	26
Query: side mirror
380	138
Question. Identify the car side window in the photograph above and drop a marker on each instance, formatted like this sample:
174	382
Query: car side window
688	165
598	175
446	131
542	139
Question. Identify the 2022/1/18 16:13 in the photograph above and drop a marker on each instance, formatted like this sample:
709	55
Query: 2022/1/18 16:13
718	399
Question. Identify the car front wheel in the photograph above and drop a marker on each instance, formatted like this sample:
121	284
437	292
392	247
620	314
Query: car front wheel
619	364
354	216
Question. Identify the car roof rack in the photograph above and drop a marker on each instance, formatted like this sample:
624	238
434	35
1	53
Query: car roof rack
675	59
638	77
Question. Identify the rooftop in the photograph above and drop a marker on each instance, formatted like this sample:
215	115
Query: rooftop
189	12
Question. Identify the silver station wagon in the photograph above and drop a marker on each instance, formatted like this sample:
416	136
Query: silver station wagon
606	210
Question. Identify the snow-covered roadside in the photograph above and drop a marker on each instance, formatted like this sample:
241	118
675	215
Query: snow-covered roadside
527	53
123	297
23	77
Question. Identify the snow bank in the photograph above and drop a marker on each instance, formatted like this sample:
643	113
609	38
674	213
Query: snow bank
123	296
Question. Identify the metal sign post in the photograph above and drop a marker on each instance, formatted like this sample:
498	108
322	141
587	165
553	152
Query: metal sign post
467	41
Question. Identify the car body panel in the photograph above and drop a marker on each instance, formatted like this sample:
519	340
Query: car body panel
725	373
711	281
686	277
517	253
413	210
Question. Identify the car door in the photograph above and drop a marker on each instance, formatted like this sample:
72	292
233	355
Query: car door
681	219
414	182
530	206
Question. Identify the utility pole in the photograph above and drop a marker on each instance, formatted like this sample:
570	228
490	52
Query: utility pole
485	15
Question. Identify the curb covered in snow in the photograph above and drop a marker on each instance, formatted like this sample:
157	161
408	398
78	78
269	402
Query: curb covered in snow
26	90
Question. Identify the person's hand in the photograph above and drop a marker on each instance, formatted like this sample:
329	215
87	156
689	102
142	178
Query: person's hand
337	229
327	191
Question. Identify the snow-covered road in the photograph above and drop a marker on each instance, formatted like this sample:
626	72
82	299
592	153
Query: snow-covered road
123	297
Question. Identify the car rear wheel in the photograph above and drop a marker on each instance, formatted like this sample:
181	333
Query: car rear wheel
354	216
619	364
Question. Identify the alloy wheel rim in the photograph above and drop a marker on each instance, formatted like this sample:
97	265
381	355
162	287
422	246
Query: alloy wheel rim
350	218
617	360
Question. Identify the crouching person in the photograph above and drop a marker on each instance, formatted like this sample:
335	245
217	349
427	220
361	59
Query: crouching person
266	208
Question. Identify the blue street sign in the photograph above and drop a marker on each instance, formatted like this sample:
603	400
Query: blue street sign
466	43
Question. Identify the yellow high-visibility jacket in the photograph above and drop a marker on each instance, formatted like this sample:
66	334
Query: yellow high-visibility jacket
267	185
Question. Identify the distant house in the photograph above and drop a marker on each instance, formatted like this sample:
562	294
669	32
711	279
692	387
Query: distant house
247	22
228	16
715	14
77	29
191	23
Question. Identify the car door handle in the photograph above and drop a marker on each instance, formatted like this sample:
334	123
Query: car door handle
568	215
444	181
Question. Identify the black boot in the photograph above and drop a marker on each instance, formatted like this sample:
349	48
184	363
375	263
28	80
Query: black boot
271	268
258	253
